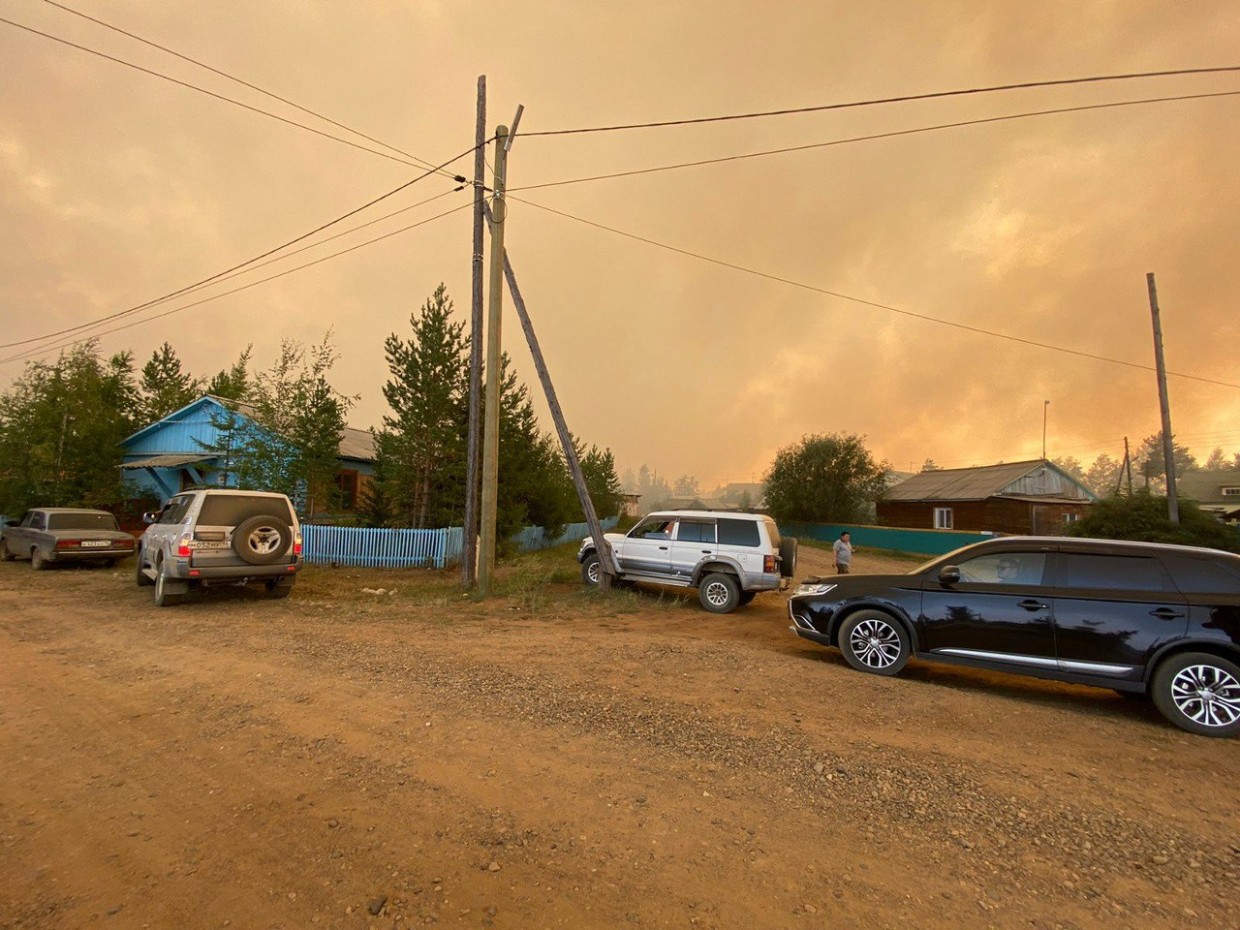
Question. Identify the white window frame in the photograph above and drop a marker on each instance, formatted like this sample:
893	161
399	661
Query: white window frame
1071	517
943	518
1231	492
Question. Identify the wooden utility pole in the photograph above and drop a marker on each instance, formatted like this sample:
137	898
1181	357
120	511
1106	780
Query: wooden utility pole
607	559
490	433
1173	499
469	548
1046	405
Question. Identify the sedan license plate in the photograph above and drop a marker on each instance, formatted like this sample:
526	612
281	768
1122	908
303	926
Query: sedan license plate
95	543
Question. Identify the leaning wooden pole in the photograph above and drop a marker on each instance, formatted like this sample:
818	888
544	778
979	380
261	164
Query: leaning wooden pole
1164	404
607	560
469	543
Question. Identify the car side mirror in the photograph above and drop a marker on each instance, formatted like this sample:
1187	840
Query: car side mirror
151	516
949	574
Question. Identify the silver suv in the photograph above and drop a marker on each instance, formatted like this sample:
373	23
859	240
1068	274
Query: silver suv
218	536
728	557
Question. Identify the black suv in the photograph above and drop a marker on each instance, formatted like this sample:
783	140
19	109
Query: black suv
1140	618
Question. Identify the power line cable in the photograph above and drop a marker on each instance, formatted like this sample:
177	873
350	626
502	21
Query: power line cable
870	138
198	284
235	272
420	161
860	300
45	349
209	93
1093	79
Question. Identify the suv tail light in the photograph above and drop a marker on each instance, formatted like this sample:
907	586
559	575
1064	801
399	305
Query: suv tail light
768	564
184	549
297	543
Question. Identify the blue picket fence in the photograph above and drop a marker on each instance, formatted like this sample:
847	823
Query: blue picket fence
535	537
381	548
389	548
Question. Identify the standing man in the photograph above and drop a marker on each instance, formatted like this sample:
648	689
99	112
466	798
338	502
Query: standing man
843	553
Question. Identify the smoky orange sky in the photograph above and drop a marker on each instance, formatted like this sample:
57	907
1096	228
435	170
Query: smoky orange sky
119	187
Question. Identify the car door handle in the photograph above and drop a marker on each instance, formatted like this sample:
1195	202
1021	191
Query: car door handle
1031	604
1165	613
707	551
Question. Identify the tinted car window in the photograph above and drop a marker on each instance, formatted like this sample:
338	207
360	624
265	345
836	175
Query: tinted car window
738	533
1199	576
653	528
175	511
82	521
1005	568
696	531
229	510
1114	572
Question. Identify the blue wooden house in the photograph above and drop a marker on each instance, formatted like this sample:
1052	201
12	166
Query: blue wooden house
183	450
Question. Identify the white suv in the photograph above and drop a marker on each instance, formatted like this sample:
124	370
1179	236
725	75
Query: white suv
728	557
220	536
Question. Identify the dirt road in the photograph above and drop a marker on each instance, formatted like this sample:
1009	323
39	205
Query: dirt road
345	759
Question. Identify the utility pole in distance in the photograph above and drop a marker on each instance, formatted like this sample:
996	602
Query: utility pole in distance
469	544
490	433
1173	499
1046	405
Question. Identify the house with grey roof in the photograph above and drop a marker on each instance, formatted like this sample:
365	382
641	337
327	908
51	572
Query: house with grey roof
1035	498
1216	490
186	449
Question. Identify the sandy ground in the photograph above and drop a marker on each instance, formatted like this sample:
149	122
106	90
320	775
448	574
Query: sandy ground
552	758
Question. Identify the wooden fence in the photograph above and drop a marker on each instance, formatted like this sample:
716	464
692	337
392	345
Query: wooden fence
380	548
387	548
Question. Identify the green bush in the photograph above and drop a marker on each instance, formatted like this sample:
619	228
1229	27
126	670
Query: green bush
1143	516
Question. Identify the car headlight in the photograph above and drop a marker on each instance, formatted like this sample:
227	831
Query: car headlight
814	588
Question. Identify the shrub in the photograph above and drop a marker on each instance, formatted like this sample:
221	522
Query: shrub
1143	516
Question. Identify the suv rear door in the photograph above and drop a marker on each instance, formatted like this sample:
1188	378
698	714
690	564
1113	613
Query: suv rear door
219	517
695	541
1113	611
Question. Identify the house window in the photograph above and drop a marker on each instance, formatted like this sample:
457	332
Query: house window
1071	517
1231	492
346	489
942	518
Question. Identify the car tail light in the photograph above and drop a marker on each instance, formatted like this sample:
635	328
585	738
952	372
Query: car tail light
68	543
768	564
184	549
297	543
124	543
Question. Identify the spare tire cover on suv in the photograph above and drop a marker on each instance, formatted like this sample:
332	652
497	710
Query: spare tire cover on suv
263	539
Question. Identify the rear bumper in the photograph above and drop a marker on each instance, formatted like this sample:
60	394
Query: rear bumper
190	572
88	555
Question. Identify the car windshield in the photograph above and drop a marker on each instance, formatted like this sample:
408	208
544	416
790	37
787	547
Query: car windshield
81	521
946	559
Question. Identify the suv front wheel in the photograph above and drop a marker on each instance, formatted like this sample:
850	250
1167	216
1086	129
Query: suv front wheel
590	570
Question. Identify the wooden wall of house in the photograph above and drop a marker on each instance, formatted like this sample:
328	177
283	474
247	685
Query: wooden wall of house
1008	516
995	515
966	515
